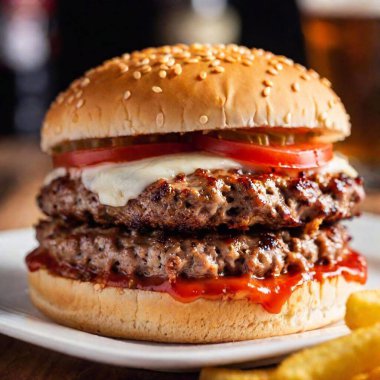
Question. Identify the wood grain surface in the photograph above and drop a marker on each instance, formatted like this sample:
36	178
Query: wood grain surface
22	169
23	361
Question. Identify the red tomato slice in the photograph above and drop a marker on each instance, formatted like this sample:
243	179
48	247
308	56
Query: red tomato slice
86	157
300	156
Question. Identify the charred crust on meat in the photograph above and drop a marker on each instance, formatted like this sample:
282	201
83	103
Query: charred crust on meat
210	199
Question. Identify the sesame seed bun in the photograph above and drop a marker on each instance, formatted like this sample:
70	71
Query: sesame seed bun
193	88
146	315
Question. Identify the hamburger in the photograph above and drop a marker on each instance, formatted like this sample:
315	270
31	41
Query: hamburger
196	198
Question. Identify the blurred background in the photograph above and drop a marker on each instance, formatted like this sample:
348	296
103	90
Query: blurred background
45	44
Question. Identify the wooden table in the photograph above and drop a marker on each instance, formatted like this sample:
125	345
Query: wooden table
22	169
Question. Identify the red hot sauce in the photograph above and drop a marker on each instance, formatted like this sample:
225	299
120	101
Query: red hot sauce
270	292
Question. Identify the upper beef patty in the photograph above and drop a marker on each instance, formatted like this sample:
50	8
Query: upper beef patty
209	199
84	252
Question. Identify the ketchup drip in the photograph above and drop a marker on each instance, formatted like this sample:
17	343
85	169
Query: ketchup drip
271	292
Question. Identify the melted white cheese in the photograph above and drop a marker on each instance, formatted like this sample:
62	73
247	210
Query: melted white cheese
54	174
115	184
339	164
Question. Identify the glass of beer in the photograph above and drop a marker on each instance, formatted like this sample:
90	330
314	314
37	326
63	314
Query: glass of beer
343	44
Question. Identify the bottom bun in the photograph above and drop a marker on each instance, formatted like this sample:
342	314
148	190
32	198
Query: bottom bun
154	316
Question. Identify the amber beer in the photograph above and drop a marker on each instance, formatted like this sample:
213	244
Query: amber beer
343	43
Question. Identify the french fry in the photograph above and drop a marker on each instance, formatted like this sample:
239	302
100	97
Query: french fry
234	374
363	309
338	359
361	376
373	375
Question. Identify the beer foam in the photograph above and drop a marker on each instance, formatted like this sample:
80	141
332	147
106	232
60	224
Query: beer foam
341	8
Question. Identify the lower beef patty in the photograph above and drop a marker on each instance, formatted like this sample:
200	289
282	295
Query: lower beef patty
206	200
84	252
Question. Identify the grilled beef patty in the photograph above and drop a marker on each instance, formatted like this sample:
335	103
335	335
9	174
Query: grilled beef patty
84	252
209	199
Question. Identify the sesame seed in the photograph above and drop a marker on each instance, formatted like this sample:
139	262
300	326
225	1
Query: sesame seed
267	83
183	46
285	61
208	58
305	76
202	75
157	89
166	49
80	103
196	46
215	63
163	59
162	74
268	55
60	99
313	74
160	119
273	62
326	82
288	118
164	67
85	82
203	119
246	62
124	68
70	99
295	86
145	61
177	69
185	54
79	94
279	66
146	69
266	91
205	53
192	60
127	95
126	56
137	75
272	71
218	69
299	67
90	72
170	62
229	59
176	50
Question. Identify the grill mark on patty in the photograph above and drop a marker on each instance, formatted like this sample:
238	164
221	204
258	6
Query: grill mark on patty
209	199
94	250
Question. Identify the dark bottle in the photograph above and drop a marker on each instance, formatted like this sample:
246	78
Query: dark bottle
25	57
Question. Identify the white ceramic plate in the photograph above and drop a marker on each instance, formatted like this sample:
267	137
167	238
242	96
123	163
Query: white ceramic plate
20	320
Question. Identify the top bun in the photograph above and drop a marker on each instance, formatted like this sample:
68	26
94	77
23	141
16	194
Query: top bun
185	88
